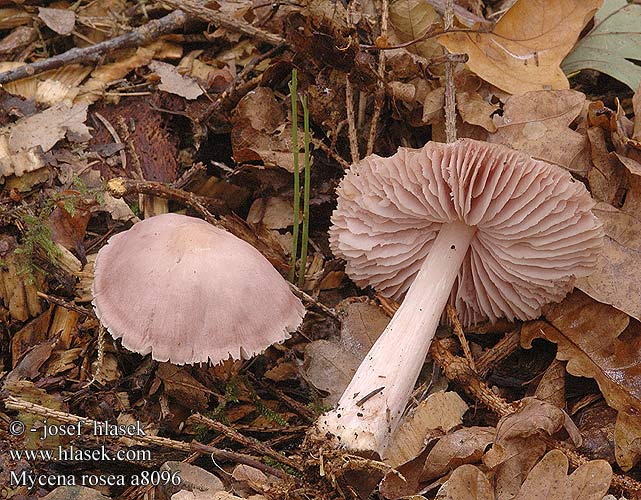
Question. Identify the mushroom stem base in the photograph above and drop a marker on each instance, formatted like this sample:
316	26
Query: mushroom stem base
370	408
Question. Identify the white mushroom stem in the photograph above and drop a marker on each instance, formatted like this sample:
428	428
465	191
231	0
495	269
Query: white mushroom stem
371	406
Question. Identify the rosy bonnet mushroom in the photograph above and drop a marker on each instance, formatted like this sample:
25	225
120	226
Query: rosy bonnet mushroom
188	292
494	230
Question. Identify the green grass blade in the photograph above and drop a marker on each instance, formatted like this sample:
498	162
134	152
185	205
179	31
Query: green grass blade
293	87
306	190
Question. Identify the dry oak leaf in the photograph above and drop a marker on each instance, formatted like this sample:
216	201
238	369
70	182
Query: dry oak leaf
551	388
525	49
466	483
441	411
548	480
617	276
330	364
537	123
599	342
627	440
463	446
518	444
411	20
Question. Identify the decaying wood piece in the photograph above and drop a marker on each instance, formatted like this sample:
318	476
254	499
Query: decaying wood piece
199	11
135	38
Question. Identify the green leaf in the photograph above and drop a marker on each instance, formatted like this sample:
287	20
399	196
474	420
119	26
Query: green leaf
612	45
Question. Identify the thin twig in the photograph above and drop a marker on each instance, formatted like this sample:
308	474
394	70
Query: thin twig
120	186
14	403
199	11
101	355
450	90
351	120
311	300
379	96
329	152
503	348
67	305
253	444
458	330
135	38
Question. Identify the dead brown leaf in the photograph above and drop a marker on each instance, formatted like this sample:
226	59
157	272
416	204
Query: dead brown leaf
180	385
551	387
518	445
627	440
632	204
617	276
525	49
465	446
330	364
260	131
175	83
537	123
476	110
596	423
67	229
62	21
412	19
598	342
548	480
440	412
606	176
22	143
466	483
274	212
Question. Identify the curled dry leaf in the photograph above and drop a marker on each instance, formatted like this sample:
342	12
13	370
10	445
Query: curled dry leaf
329	364
525	49
632	204
273	213
476	110
440	412
617	276
466	445
537	123
466	483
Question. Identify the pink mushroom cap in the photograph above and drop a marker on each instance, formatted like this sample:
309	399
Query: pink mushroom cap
188	292
535	229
